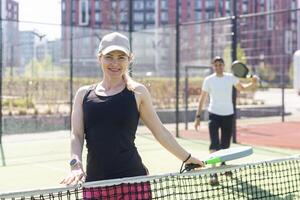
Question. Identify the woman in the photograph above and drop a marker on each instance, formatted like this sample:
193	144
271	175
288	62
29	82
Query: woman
107	115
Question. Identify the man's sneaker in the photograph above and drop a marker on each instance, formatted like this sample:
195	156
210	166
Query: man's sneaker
214	180
228	173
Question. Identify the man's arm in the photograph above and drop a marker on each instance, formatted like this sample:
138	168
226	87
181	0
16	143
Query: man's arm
248	86
202	101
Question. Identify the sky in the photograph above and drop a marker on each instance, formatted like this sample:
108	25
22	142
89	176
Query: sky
41	11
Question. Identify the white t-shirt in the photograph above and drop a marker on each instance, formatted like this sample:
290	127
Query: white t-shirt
220	93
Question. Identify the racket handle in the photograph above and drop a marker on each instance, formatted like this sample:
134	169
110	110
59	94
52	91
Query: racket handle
191	166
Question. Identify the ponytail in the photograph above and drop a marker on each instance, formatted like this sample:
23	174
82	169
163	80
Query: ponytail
129	82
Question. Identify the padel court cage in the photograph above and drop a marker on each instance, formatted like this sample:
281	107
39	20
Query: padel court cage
40	74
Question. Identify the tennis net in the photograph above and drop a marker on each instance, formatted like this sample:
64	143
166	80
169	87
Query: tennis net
275	179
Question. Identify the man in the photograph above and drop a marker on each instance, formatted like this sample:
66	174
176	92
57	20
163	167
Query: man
219	87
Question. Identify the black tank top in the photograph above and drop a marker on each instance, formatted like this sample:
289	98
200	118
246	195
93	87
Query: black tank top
110	124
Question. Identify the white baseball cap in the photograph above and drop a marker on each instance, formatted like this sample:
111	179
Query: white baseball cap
114	41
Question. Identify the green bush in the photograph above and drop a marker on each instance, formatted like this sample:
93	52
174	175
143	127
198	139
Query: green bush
19	103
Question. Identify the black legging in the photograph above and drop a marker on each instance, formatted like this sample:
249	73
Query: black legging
223	122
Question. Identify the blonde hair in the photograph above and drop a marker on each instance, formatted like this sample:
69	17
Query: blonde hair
129	82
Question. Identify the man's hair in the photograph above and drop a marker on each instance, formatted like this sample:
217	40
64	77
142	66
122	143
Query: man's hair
217	59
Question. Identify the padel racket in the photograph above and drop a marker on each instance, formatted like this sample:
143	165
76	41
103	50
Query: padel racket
240	70
223	155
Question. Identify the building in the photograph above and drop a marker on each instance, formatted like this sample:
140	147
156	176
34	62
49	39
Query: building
153	30
10	27
27	47
269	40
54	51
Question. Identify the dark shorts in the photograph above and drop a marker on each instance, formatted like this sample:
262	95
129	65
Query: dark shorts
224	123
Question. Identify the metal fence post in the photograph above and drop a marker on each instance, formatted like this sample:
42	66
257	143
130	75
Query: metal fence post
233	58
71	61
130	29
1	65
177	73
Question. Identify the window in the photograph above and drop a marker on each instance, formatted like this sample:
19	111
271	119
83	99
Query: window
245	7
293	15
15	8
164	4
198	4
227	6
74	5
73	17
198	16
63	6
150	5
97	17
210	15
97	5
9	15
84	12
138	5
164	16
9	6
123	5
123	17
270	18
150	17
293	6
210	4
288	42
138	17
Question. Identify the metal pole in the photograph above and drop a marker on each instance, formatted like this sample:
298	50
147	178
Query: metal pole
71	59
177	73
186	91
282	91
130	28
212	40
11	62
233	58
1	65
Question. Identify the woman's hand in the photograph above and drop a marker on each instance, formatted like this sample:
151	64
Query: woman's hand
75	176
194	160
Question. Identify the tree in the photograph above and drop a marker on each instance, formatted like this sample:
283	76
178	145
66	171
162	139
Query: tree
42	68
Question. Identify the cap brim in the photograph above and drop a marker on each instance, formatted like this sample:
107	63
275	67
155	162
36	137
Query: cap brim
115	48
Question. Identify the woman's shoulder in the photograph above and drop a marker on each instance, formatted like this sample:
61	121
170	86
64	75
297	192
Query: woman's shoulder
84	89
139	87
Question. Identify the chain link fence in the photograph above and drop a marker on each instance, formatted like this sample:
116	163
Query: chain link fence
37	74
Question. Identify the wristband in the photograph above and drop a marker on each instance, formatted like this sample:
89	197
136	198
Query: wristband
181	168
189	156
